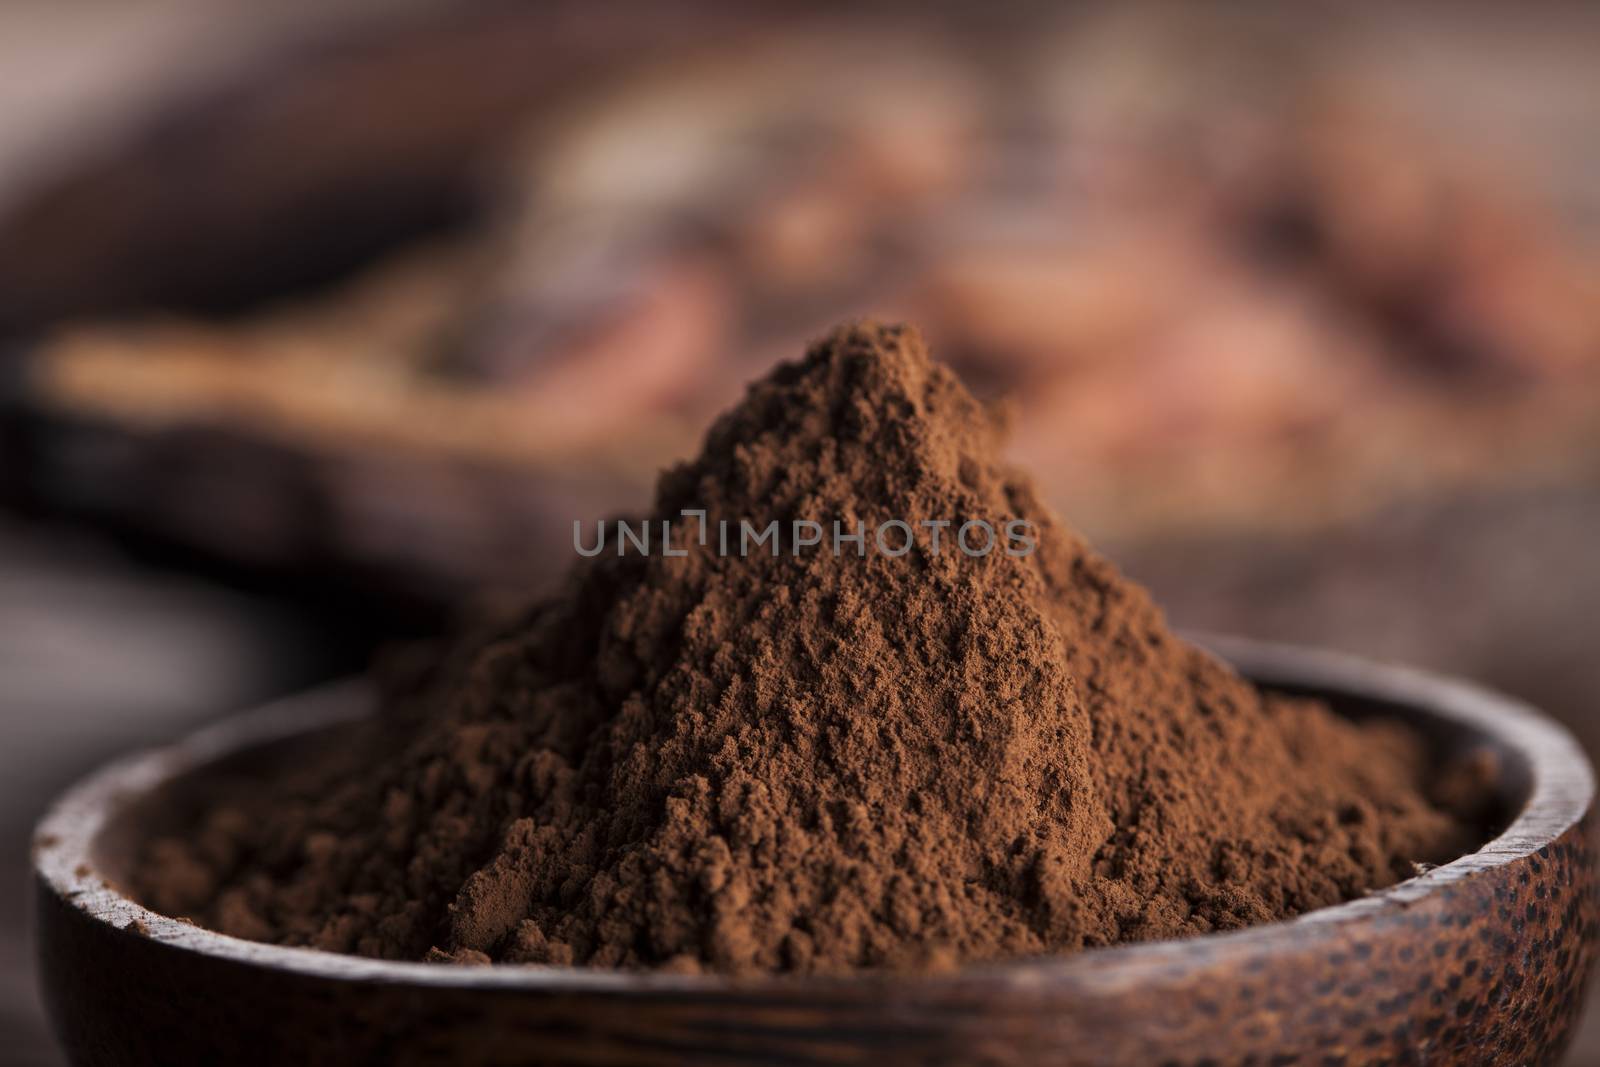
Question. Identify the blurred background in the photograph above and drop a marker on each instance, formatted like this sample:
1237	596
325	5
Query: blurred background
321	322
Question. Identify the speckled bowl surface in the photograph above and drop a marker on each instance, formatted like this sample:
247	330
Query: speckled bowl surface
1479	961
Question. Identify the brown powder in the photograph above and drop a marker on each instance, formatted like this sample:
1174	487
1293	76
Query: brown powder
810	762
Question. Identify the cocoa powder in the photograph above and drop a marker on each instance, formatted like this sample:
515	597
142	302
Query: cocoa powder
816	762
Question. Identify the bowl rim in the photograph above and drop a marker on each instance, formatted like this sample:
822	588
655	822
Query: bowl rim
1562	786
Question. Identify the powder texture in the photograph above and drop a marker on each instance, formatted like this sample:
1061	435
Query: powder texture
809	762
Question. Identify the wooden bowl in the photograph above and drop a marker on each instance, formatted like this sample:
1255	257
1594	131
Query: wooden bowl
1482	960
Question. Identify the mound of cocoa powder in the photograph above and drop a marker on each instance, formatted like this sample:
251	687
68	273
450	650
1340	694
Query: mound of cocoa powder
811	761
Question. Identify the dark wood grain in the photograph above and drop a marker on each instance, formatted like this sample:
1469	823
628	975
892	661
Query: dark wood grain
1481	961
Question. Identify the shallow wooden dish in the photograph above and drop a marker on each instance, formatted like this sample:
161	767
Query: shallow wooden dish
1480	961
